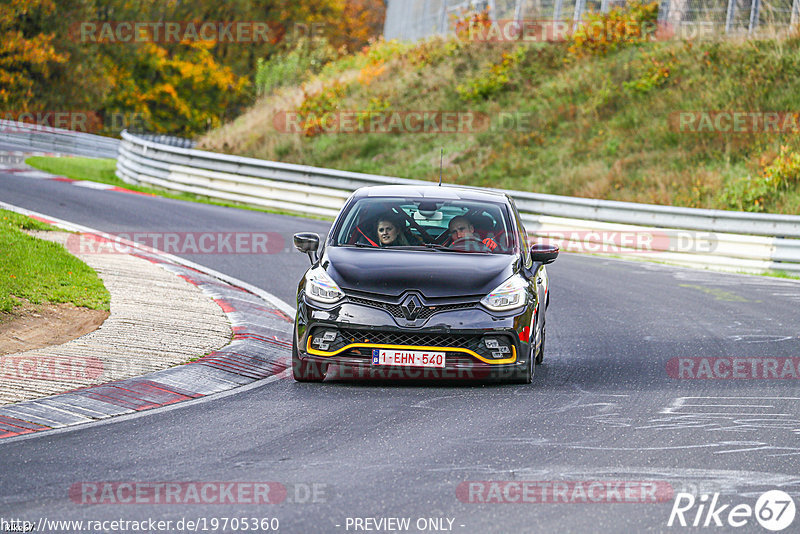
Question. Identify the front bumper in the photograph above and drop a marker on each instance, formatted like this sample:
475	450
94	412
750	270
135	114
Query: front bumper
354	330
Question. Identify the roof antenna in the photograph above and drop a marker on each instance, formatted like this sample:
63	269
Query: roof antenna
441	164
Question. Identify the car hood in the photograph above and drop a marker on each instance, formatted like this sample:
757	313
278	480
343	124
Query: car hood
433	273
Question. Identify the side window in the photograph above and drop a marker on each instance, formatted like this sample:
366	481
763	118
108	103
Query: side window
523	235
348	225
490	223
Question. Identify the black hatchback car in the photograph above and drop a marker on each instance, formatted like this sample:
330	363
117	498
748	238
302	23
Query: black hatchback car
422	282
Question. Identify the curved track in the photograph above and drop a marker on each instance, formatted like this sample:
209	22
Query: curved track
603	407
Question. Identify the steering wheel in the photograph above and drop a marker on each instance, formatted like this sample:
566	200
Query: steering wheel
470	243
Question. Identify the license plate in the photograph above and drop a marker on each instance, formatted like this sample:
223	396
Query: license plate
410	358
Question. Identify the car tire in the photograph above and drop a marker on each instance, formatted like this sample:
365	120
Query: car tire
306	371
525	375
540	354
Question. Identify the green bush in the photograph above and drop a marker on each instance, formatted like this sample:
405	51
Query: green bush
784	171
654	74
307	58
760	192
492	81
315	110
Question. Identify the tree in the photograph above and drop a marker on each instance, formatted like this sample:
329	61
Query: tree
27	55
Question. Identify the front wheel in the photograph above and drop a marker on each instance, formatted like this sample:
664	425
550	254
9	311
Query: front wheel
306	371
540	354
525	375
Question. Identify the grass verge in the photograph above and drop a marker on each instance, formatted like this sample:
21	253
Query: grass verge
40	271
99	170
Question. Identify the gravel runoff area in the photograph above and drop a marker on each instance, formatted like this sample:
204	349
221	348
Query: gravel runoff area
158	320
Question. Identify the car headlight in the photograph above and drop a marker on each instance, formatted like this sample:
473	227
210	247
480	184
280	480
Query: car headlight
321	287
509	295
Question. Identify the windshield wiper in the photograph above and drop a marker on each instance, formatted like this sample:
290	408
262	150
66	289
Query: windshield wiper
435	246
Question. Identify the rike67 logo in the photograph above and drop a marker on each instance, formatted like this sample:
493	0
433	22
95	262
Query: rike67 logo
774	510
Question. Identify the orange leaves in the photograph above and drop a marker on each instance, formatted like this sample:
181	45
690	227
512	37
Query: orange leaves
600	33
370	72
359	22
181	88
471	23
20	9
21	62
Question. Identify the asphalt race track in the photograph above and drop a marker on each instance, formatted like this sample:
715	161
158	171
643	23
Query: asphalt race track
612	404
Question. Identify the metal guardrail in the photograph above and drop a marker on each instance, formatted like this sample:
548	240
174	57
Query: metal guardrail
733	241
57	140
171	140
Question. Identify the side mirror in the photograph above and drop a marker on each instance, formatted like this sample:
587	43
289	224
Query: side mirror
307	243
544	253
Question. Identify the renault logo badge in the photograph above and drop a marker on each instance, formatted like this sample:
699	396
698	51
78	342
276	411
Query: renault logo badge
411	307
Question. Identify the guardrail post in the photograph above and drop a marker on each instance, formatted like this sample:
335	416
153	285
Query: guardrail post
580	5
518	11
729	16
754	6
492	10
557	10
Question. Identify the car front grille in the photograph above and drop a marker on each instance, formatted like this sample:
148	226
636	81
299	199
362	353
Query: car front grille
397	311
471	342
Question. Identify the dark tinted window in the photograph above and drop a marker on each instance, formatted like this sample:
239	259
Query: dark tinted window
424	221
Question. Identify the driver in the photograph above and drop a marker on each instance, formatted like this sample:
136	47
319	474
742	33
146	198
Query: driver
461	230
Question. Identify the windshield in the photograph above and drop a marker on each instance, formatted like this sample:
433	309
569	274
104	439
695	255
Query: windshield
436	224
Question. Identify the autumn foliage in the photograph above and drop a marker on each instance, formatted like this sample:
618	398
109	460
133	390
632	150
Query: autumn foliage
601	33
25	60
182	88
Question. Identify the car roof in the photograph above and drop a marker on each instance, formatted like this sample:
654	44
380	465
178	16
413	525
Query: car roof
432	191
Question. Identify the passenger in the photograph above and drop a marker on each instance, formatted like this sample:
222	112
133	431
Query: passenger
462	232
390	232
